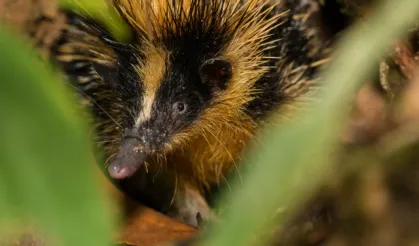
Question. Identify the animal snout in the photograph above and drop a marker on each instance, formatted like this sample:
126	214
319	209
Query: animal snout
149	138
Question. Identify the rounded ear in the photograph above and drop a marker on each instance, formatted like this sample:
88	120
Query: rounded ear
216	73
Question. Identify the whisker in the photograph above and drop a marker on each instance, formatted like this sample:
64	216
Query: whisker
110	158
228	152
100	107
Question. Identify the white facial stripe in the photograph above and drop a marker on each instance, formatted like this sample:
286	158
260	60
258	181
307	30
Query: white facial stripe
145	112
150	70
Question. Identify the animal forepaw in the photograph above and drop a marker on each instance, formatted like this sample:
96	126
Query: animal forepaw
190	207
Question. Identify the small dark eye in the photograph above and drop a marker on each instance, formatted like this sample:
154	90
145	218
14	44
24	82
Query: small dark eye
179	107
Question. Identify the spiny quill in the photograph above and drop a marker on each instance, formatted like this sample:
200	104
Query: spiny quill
176	106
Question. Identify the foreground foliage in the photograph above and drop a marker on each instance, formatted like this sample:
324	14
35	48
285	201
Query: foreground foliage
47	170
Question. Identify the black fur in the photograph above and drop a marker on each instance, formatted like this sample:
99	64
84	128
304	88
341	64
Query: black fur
118	80
183	87
294	42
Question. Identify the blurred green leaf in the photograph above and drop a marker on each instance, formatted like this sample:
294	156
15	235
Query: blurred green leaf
47	169
102	11
295	157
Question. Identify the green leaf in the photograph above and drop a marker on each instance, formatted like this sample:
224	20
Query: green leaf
47	170
295	157
101	11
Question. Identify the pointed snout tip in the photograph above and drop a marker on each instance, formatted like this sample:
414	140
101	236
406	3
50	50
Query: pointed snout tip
128	160
117	172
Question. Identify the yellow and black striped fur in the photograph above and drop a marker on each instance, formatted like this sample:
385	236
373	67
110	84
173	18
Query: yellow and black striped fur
175	106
